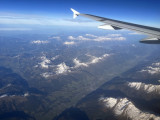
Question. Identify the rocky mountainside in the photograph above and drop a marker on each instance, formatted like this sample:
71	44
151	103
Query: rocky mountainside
134	95
15	95
44	74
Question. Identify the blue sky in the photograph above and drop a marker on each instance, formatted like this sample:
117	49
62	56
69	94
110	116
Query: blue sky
57	12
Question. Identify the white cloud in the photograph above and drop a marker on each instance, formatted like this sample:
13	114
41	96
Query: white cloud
79	20
30	19
69	43
82	38
55	37
109	37
71	38
123	106
78	38
133	45
114	35
40	42
15	29
91	35
119	38
134	33
19	21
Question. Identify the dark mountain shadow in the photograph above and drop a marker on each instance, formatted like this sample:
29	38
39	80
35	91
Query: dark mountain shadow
13	84
72	114
16	115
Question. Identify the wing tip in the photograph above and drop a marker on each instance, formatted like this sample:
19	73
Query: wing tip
75	13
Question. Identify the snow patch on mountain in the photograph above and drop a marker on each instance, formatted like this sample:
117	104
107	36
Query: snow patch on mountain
45	62
148	88
124	107
54	58
4	95
110	102
62	68
26	94
78	63
153	69
47	74
96	59
93	60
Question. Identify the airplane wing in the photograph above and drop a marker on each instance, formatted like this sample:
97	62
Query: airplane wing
153	33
